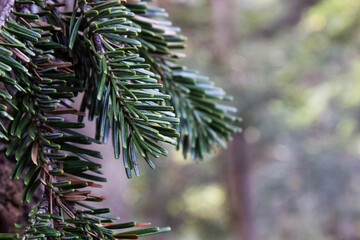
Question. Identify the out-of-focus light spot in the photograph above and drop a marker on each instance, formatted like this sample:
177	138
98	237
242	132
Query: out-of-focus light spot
190	2
294	182
357	144
205	202
257	3
174	207
178	158
277	58
237	62
315	22
346	127
355	184
252	135
282	152
352	87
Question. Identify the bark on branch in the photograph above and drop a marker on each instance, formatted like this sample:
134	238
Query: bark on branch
5	9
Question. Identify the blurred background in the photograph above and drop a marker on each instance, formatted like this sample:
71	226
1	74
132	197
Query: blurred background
293	67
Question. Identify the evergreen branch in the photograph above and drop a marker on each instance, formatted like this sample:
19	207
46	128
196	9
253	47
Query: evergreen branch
204	120
40	79
121	91
118	55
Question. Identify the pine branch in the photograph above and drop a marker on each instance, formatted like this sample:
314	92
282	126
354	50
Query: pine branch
119	56
38	72
122	93
204	120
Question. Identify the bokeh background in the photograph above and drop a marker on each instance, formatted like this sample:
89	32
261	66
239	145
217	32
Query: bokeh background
293	67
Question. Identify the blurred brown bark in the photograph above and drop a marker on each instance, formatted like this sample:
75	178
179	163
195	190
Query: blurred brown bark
236	171
11	209
223	29
236	165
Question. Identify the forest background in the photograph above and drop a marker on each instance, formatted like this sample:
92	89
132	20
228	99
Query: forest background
293	67
294	70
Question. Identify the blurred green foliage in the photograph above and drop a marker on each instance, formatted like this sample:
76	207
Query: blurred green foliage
299	93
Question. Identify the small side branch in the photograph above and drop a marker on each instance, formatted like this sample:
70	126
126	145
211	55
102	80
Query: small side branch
98	45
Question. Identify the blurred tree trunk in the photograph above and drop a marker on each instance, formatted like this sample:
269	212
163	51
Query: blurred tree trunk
236	166
223	29
236	170
11	209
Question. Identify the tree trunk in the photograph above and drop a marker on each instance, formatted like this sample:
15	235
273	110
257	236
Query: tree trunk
236	165
11	209
223	32
236	169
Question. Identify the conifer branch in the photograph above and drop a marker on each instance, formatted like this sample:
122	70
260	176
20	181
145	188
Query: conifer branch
118	54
